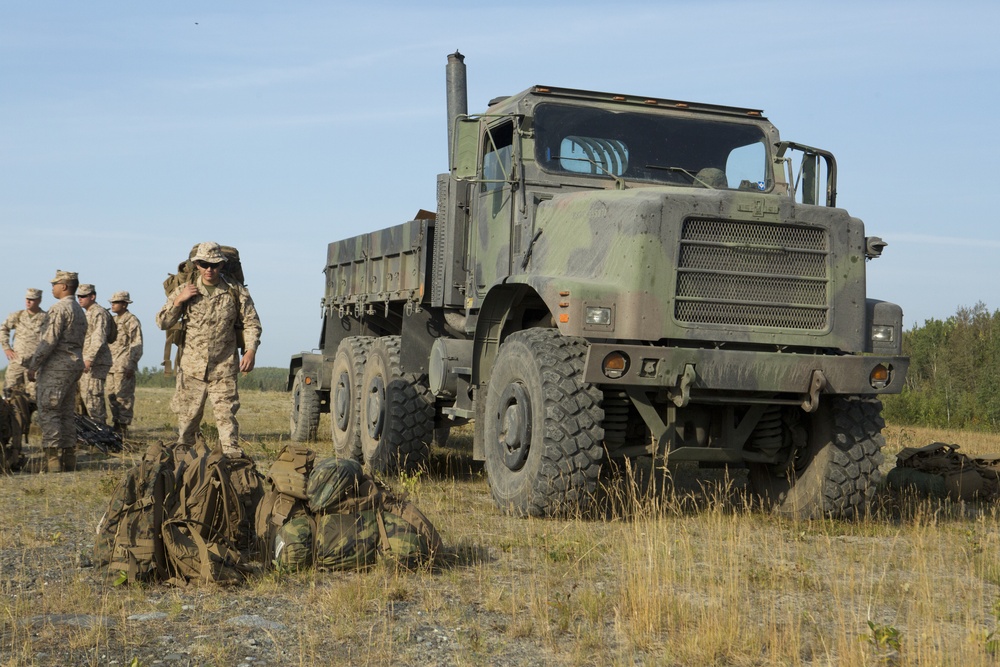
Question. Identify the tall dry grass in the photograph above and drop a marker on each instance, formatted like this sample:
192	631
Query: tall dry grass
692	577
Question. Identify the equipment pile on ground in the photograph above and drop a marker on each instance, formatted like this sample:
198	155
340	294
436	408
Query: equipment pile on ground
197	515
941	471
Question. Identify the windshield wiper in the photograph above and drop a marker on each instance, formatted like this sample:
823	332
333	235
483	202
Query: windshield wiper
619	181
682	170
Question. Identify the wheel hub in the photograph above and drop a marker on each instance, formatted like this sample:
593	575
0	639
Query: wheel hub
376	407
514	425
342	401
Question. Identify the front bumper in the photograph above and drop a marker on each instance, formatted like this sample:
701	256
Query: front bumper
710	371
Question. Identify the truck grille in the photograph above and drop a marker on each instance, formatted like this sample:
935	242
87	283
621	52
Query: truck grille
752	274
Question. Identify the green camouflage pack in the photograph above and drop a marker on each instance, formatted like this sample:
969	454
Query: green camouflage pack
293	544
346	541
331	481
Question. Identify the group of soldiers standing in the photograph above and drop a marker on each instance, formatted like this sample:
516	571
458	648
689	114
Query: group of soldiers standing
66	359
70	352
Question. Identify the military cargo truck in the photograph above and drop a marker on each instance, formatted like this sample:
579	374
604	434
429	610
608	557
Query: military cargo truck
608	277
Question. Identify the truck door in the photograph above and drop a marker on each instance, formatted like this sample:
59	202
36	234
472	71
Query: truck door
493	215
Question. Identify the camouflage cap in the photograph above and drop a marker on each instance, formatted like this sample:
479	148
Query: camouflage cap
86	289
209	252
120	297
64	277
33	293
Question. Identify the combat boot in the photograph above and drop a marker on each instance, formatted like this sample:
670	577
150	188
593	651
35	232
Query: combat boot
69	459
53	459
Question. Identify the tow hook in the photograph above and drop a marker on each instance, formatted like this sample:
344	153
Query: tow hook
684	387
816	385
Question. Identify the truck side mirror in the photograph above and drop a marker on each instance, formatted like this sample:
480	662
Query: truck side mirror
465	152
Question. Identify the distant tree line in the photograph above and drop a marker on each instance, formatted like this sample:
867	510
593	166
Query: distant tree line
953	381
259	379
954	376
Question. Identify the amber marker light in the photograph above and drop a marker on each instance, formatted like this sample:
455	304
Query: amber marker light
879	377
615	365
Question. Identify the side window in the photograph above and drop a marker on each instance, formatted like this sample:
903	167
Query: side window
498	157
745	167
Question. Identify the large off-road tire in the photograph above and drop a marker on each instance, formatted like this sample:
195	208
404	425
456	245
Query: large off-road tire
397	411
304	416
837	472
542	431
345	396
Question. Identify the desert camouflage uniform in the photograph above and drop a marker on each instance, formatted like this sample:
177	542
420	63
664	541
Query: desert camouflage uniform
28	329
58	365
96	351
209	362
125	354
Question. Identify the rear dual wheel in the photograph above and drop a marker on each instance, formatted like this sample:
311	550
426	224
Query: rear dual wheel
396	411
345	396
304	417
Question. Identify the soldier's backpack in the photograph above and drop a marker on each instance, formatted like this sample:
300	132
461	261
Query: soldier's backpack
351	518
129	535
187	273
289	474
940	470
210	518
10	438
112	335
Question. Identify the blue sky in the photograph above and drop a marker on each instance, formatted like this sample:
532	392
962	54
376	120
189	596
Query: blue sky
131	130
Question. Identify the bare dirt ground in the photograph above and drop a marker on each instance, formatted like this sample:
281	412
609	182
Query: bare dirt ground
693	579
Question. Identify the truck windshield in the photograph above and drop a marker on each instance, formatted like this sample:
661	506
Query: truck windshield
656	148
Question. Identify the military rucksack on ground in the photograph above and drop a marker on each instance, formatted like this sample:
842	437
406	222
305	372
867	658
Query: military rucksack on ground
940	470
11	457
129	535
350	517
188	273
289	474
182	520
210	518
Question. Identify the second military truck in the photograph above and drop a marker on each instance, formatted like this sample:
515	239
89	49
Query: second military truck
608	277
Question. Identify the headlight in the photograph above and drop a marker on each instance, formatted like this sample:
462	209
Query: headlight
599	316
883	333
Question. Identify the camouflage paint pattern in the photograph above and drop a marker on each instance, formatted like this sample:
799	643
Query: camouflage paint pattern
212	318
188	403
346	541
58	363
293	544
27	328
331	480
125	354
209	363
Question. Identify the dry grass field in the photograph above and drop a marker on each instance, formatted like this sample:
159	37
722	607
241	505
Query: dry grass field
694	577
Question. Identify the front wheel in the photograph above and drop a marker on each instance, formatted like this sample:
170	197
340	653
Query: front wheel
304	418
542	432
836	473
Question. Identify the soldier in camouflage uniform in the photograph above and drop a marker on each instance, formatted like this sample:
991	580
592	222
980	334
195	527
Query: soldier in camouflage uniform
125	354
28	326
214	311
56	365
96	354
